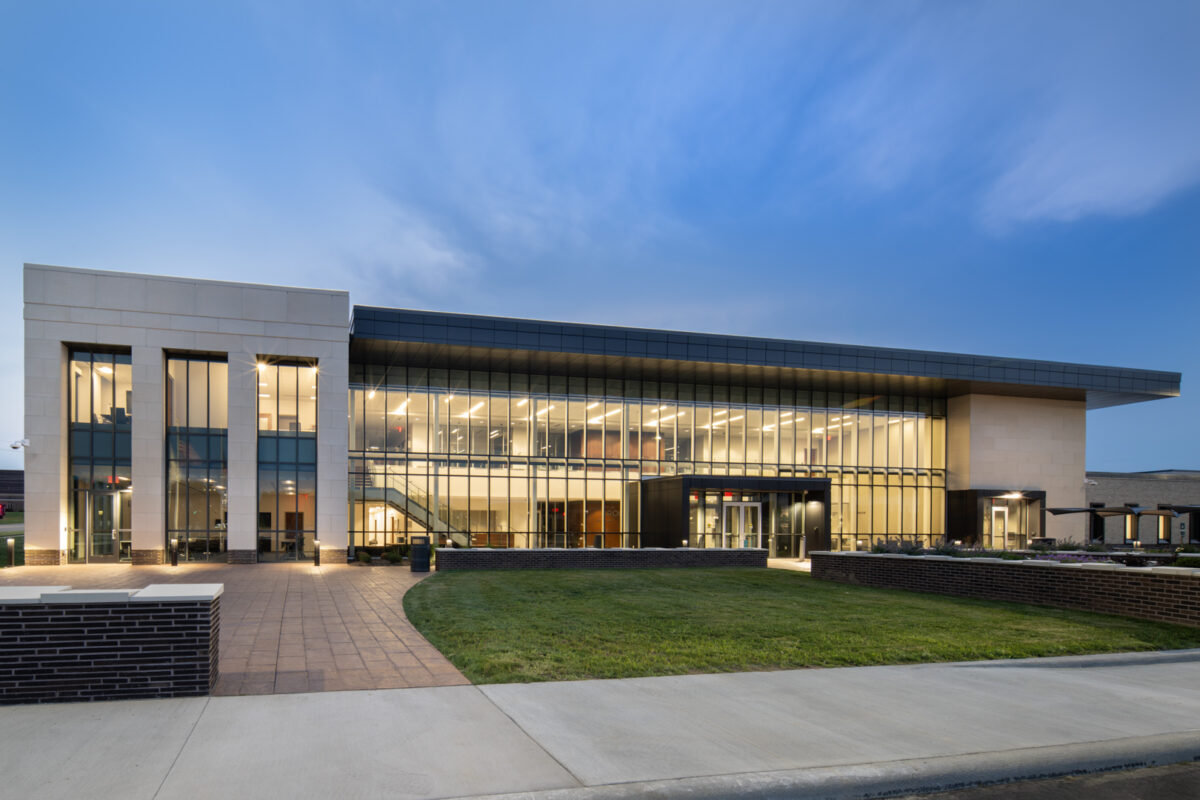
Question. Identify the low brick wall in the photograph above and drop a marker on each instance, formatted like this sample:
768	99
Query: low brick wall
1163	594
449	559
58	645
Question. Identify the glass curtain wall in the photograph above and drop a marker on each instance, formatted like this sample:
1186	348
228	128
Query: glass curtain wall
512	460
287	459
197	455
100	424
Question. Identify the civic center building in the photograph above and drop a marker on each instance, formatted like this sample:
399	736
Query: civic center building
255	423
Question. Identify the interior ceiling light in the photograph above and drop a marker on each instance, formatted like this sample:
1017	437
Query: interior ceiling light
735	419
105	370
722	411
522	401
544	410
400	408
261	367
592	405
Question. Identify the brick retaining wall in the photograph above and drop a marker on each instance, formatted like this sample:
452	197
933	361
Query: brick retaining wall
449	559
1163	594
105	649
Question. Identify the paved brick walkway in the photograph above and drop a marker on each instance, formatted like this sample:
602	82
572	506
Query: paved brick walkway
292	627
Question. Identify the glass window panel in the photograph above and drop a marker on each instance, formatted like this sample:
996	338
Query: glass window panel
306	394
80	371
702	433
909	434
754	432
895	450
375	417
122	391
287	450
770	429
576	417
938	444
737	435
289	419
865	421
614	430
879	436
720	434
306	449
418	422
497	426
267	498
458	435
218	394
396	420
197	394
520	415
81	444
268	391
357	423
306	499
803	428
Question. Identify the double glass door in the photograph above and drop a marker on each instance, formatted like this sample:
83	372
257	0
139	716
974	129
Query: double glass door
741	524
109	527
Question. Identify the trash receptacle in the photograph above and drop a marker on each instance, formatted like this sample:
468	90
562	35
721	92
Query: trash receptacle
418	555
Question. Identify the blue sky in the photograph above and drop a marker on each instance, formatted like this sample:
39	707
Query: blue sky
1009	178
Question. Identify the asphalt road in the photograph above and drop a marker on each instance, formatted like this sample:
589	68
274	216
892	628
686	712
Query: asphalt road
1175	782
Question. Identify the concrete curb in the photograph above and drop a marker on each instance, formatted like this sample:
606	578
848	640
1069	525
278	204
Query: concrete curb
897	778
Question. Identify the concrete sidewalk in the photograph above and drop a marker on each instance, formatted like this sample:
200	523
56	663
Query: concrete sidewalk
799	733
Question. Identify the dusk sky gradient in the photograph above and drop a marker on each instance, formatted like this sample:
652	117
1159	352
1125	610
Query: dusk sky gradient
1006	178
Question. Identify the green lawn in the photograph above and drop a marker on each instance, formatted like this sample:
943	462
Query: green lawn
13	518
538	625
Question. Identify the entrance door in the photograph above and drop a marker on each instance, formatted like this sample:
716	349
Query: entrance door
109	535
742	525
1000	527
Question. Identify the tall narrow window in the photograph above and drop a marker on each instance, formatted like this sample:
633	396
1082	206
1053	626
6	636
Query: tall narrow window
287	459
197	455
100	423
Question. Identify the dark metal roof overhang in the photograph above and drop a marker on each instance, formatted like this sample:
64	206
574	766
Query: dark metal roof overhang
462	341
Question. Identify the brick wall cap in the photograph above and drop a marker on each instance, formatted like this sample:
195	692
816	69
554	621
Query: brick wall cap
935	558
1033	563
25	595
179	592
88	596
991	560
1174	571
1103	566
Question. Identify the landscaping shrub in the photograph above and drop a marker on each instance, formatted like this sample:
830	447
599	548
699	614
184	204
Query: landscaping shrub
1041	547
1069	546
363	556
1189	548
393	555
1188	561
948	549
1096	547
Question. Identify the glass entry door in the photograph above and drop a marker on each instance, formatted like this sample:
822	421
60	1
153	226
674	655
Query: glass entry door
742	525
109	533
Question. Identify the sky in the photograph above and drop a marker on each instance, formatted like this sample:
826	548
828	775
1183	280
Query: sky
1014	178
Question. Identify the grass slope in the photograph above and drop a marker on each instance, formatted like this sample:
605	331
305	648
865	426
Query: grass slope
538	625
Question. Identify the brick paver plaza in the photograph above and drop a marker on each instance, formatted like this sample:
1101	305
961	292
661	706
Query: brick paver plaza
291	627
